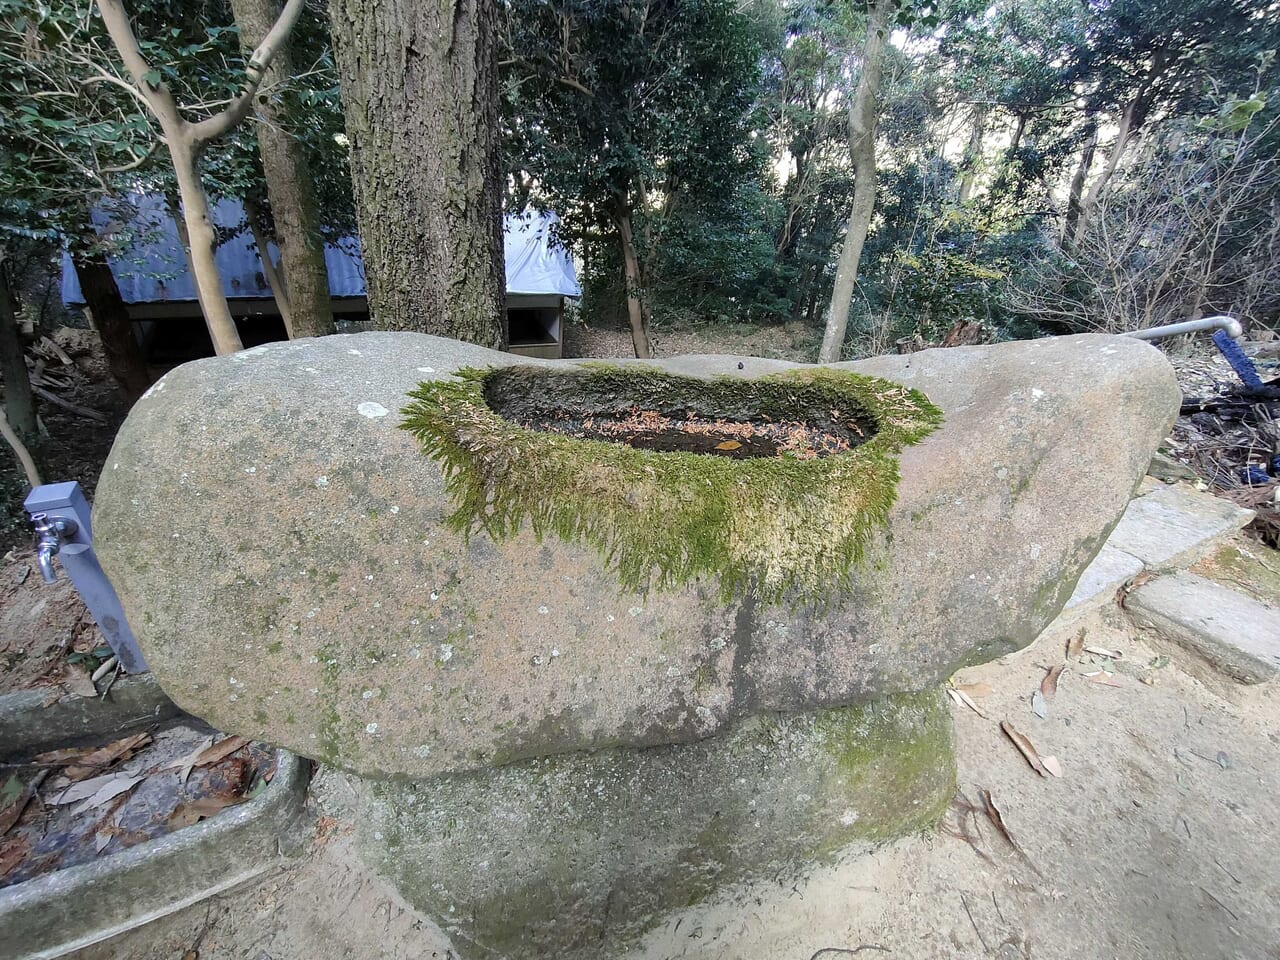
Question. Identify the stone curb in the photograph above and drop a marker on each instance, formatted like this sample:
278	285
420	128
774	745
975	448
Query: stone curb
69	909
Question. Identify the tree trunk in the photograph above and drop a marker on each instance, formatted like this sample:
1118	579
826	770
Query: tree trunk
973	153
124	355
279	289
289	183
420	91
1100	182
200	246
863	115
636	308
18	401
1072	218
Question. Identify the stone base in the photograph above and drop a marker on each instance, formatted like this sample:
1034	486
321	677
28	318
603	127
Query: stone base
576	855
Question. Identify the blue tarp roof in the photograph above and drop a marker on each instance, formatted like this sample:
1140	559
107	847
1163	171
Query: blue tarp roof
153	268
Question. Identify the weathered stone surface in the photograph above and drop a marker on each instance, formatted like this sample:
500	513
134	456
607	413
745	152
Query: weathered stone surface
1173	527
1235	633
572	856
278	546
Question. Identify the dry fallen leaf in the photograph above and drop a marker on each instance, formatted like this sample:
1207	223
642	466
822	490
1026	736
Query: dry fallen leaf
18	795
103	757
1049	685
77	681
1025	747
1104	677
1075	645
997	820
728	445
975	689
197	810
1052	765
184	764
223	748
962	698
1038	705
12	854
108	792
1104	652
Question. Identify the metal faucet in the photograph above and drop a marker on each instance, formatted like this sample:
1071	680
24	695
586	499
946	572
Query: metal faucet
50	531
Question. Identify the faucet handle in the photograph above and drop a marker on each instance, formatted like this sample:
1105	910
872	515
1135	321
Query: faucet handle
50	531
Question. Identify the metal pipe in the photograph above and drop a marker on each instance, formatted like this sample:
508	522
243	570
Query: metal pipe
1230	324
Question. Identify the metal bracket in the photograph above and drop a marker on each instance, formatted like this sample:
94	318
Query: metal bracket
60	516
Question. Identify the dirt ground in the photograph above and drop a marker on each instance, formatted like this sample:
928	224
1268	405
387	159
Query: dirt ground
1159	841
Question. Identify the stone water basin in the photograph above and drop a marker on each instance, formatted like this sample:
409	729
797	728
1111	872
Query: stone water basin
299	570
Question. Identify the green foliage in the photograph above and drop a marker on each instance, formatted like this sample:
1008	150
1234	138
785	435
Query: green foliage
776	526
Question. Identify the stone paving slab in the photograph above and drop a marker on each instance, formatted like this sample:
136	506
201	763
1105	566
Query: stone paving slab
1235	633
1108	572
1173	527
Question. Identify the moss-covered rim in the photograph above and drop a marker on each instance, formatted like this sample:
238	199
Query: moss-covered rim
780	527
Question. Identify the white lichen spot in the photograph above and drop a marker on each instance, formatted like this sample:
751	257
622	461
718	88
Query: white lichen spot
718	643
416	653
426	369
849	818
312	612
355	353
1036	393
609	618
434	595
422	750
250	470
703	712
233	698
370	728
446	652
322	482
313	691
232	680
636	611
395	509
543	610
368	694
1033	551
372	410
555	652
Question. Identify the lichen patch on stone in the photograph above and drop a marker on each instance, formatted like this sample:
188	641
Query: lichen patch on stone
780	526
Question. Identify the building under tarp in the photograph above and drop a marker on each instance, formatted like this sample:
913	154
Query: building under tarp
159	291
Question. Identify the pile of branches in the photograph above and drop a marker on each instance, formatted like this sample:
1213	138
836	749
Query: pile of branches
1230	438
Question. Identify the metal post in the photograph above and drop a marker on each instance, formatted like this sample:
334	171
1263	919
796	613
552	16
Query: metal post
60	515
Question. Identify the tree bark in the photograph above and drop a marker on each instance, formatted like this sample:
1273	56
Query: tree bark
1072	219
124	355
637	311
420	92
973	153
864	112
187	140
18	400
289	184
1117	151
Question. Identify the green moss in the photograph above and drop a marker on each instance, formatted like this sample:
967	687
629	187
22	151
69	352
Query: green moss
781	526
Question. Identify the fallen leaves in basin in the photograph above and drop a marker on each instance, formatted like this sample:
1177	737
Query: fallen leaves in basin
1030	753
206	753
82	763
1104	677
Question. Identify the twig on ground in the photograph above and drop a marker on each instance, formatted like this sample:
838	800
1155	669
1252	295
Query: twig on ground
975	923
850	951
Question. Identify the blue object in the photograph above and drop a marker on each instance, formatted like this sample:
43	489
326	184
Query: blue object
61	516
1240	363
1254	476
151	266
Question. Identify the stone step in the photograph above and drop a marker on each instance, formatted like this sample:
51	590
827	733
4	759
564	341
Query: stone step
1166	528
1235	633
1173	526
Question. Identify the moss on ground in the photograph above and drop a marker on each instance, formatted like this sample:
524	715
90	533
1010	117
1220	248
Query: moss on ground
781	526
